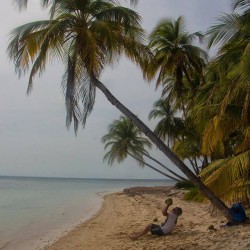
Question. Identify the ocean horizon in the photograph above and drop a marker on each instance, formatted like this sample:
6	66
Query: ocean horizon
79	178
34	209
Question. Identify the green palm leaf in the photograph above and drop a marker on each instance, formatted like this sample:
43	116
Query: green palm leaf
229	178
175	53
124	139
241	5
85	36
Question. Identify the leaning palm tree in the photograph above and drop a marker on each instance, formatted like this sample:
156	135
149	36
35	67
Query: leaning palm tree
86	36
123	139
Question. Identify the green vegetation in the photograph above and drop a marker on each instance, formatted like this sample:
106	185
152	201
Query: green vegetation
194	195
192	192
125	139
184	184
204	110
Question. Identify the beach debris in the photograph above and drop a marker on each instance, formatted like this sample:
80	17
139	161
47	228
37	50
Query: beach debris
211	227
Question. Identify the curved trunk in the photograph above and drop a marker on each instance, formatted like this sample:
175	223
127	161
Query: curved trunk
169	170
153	168
163	147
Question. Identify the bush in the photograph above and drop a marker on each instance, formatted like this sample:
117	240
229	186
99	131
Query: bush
184	184
194	195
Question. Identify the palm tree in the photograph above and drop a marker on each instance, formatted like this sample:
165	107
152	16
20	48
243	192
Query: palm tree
231	86
169	125
184	140
226	102
123	139
232	30
176	55
86	36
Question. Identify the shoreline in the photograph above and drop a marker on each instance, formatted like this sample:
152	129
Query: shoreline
59	233
122	213
41	238
47	242
53	208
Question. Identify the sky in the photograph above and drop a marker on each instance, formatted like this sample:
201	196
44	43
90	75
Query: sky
34	139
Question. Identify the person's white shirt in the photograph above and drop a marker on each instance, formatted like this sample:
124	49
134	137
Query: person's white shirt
170	223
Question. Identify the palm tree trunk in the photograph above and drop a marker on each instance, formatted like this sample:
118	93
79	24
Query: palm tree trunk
155	169
169	170
162	146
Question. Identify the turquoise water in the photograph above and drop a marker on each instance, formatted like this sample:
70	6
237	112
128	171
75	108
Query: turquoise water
33	208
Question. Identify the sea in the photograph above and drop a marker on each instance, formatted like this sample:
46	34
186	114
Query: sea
35	211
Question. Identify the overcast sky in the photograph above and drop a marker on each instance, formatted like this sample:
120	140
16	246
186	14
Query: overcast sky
34	140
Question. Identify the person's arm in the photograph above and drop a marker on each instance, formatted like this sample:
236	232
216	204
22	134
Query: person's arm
165	210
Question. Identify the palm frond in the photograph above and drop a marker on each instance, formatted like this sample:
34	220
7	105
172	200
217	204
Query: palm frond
20	4
245	145
124	138
229	178
216	131
25	43
241	5
86	34
224	30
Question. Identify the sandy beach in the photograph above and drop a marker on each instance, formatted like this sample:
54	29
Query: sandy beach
125	212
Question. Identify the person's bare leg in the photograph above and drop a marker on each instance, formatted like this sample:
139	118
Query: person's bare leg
135	236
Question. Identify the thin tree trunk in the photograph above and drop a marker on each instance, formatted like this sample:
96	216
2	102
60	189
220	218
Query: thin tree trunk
196	165
205	162
162	146
169	170
150	166
193	166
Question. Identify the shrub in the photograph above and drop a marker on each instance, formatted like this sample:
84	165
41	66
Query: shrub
194	195
184	184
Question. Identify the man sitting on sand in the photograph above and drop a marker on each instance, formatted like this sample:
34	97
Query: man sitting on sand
166	228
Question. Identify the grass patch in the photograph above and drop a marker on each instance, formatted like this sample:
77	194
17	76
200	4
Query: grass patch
194	195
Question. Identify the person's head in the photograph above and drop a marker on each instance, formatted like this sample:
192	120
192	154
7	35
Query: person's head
177	210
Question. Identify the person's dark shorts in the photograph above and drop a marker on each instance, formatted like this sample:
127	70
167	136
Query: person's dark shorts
156	230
